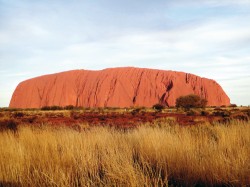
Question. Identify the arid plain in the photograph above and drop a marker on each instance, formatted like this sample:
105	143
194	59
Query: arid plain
139	146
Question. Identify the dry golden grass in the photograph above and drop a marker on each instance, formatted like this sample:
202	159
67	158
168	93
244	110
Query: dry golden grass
148	156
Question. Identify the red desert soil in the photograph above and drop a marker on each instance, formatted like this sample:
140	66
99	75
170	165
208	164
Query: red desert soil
115	87
121	120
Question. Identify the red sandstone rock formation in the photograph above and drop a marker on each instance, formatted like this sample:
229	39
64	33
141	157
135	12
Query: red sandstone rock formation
115	87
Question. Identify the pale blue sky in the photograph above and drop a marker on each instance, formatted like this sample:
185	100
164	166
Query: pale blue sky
209	38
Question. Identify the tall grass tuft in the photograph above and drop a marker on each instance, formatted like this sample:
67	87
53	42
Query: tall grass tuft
165	155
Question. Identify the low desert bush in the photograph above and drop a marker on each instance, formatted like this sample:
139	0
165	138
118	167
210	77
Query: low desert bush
158	107
52	108
222	113
45	108
69	107
18	114
204	113
135	111
232	105
56	108
4	109
191	101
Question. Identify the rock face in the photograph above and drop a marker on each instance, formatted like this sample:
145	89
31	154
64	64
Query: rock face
115	87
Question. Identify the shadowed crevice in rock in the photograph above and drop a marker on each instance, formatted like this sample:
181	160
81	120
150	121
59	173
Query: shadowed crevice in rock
166	95
137	88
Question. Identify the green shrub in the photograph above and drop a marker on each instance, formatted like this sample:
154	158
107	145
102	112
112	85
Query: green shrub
190	101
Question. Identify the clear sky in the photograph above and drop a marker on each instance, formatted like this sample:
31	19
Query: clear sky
209	38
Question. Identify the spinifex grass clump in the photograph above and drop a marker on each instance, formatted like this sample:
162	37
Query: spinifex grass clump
146	156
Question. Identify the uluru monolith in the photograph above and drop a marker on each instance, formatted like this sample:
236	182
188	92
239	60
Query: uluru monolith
115	87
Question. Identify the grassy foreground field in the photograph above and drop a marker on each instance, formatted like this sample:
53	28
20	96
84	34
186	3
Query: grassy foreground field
166	155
